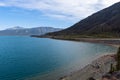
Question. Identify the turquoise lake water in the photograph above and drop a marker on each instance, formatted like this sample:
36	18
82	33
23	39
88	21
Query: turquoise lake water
22	57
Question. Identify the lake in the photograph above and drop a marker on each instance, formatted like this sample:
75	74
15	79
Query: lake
47	59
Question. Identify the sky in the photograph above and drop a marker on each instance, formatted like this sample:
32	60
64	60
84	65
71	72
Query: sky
47	13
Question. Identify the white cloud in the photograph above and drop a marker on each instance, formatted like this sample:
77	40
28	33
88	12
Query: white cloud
2	4
71	9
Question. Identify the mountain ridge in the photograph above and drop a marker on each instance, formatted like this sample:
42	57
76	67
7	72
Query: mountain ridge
104	23
20	31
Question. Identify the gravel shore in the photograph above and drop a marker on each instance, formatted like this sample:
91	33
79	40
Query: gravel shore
96	69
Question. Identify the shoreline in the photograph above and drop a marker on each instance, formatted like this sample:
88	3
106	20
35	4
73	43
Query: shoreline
89	70
106	41
83	73
104	60
96	69
82	70
115	42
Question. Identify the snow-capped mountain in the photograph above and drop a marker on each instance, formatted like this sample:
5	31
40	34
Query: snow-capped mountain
28	31
15	28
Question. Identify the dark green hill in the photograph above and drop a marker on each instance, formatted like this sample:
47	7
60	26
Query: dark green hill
105	23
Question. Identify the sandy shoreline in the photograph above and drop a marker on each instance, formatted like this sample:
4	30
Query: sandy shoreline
83	73
96	69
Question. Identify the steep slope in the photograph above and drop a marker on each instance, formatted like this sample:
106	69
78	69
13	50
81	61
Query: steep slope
28	31
105	23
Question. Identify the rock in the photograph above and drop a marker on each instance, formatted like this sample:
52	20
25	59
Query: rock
113	76
91	78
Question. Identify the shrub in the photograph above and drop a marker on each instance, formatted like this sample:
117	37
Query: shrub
118	60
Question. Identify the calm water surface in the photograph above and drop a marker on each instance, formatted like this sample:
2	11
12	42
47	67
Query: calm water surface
22	57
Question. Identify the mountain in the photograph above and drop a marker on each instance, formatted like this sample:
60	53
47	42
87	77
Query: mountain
105	23
28	31
15	28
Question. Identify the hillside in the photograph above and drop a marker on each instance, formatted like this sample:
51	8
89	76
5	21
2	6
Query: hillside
28	31
105	23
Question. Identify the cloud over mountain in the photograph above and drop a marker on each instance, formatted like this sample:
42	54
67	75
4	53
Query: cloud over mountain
65	9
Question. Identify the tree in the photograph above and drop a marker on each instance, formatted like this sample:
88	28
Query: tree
112	69
118	60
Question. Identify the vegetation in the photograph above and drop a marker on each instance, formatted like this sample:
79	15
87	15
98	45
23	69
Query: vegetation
118	60
117	67
112	69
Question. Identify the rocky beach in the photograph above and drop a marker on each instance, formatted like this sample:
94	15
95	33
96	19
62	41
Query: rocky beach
96	69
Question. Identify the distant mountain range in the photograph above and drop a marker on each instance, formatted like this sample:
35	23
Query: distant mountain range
28	31
105	23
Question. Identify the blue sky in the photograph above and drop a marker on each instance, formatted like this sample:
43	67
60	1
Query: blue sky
52	13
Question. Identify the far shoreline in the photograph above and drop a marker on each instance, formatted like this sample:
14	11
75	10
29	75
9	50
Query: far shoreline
115	42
